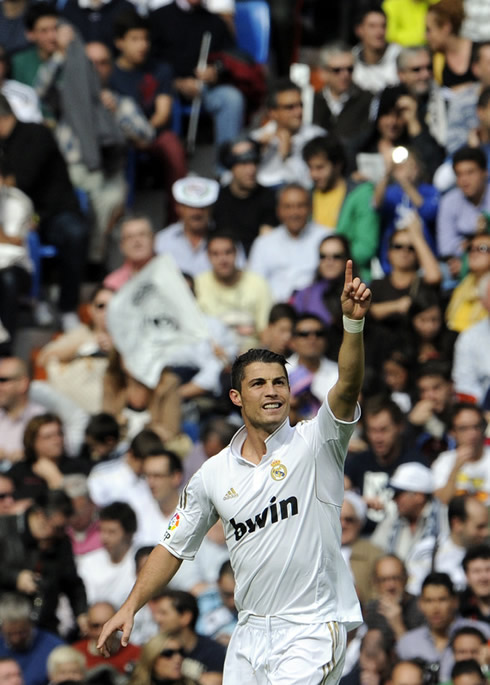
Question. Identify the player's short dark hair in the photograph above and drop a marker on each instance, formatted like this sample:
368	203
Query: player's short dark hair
250	357
122	512
468	630
467	666
282	310
182	602
328	147
441	580
470	154
37	11
102	426
129	20
146	442
377	403
481	551
280	85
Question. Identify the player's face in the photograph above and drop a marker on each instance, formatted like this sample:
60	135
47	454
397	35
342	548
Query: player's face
264	396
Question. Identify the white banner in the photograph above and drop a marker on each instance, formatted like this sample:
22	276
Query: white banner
154	321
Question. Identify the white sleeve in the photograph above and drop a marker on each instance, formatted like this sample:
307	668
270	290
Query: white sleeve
441	469
193	518
465	372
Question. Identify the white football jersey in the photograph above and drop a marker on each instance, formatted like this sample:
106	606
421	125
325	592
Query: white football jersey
281	521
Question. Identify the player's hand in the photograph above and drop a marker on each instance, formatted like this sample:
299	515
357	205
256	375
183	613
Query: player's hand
356	296
122	620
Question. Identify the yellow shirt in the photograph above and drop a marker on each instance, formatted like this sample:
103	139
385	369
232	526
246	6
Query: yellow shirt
326	206
243	307
406	21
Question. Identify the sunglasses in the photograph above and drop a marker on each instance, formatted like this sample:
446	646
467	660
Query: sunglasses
169	653
423	67
339	70
400	246
337	256
7	379
306	334
4	495
293	105
484	249
100	305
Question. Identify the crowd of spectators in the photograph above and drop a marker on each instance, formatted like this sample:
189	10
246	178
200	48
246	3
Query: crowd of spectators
386	165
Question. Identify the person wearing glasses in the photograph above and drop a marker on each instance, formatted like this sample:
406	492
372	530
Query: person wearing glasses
287	256
414	67
283	137
322	296
121	659
411	262
340	107
465	307
311	374
161	662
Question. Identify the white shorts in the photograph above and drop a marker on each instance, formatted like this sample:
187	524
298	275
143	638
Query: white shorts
272	651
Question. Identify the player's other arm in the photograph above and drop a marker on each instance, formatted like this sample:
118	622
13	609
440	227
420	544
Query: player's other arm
355	301
158	570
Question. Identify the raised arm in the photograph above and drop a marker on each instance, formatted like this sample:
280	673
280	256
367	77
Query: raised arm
159	569
355	301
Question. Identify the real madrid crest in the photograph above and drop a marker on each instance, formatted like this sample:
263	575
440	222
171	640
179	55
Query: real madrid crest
278	470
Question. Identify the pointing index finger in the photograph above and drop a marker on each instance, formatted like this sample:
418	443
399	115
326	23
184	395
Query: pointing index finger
348	273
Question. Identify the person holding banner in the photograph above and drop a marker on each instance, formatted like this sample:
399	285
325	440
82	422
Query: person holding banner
278	491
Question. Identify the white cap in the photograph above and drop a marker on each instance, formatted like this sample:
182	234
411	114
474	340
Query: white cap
195	191
413	477
358	504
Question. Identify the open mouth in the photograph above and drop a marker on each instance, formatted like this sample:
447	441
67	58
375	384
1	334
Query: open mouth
272	405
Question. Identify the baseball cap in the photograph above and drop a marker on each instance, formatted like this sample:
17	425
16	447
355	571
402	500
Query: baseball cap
195	191
413	477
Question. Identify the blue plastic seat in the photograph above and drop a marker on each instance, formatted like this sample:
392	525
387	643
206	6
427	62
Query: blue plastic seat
253	25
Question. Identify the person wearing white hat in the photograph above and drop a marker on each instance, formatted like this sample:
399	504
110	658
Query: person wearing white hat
186	240
417	513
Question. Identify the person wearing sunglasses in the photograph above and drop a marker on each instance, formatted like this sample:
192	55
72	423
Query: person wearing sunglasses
340	107
411	263
465	307
161	663
321	298
414	67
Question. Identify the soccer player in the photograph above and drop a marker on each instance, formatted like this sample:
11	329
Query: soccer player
278	491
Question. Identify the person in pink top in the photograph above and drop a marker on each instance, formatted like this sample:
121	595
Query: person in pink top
136	246
83	529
